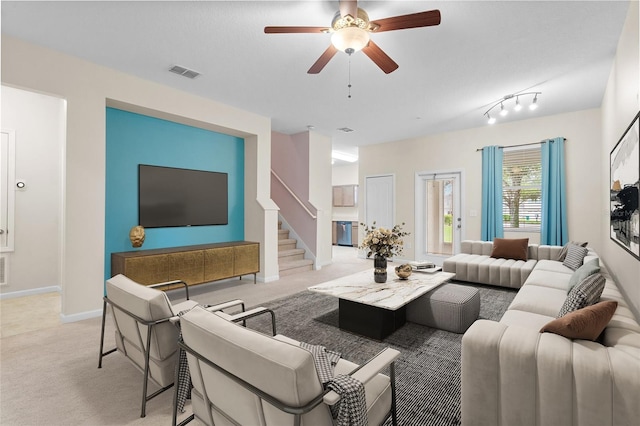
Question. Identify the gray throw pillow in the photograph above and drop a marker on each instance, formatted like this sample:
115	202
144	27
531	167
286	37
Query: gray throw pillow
589	268
575	255
586	293
565	248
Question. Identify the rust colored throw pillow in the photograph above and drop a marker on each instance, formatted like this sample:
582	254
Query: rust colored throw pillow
586	323
510	248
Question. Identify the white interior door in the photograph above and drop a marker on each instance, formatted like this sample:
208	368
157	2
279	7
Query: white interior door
379	200
439	225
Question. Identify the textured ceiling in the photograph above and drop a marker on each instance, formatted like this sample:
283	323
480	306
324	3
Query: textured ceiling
448	76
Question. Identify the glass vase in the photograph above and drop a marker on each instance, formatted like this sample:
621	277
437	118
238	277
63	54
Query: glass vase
380	269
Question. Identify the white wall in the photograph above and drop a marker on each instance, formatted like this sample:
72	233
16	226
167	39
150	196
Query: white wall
39	123
320	193
88	88
345	174
457	151
620	104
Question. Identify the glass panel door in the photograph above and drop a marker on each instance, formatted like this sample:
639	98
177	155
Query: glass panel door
439	224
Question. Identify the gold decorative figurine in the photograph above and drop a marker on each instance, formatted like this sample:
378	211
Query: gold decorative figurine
403	271
136	235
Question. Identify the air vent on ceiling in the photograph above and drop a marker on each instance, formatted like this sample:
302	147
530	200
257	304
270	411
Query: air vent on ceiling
345	129
185	72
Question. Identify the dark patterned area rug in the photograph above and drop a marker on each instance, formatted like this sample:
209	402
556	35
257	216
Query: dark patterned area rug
428	370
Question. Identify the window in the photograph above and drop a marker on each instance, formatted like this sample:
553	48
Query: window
522	188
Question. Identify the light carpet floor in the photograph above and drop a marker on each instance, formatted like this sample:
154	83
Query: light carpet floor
49	376
17	315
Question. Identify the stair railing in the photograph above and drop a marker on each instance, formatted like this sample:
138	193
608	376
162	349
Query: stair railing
295	197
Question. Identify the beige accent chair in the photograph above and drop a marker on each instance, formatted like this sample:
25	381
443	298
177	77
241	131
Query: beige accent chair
241	376
145	333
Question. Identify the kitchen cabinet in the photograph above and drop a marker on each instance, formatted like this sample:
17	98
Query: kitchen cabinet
345	195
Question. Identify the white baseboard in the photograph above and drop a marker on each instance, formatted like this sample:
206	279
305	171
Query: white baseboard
268	279
30	292
320	265
80	316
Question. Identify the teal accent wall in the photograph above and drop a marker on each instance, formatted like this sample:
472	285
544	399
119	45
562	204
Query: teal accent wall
134	139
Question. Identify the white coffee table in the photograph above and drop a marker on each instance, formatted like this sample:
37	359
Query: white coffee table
377	310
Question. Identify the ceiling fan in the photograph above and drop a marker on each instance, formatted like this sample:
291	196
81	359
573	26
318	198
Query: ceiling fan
351	29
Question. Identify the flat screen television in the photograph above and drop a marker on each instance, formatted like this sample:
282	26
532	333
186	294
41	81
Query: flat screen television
169	197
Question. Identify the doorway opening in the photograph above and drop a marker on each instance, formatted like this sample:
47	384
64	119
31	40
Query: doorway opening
439	226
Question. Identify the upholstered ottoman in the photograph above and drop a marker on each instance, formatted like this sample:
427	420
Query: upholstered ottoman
450	307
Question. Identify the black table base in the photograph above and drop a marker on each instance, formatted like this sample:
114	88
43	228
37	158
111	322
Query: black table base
370	321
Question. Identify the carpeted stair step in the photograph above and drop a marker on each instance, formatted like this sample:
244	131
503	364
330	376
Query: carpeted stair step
295	266
286	244
283	234
290	255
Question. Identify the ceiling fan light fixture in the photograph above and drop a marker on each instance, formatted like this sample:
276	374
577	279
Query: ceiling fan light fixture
350	30
350	38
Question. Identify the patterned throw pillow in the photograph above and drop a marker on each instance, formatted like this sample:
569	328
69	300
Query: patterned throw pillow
565	248
589	268
586	293
575	255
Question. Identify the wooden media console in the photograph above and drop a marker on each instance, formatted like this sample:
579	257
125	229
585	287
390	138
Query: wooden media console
192	264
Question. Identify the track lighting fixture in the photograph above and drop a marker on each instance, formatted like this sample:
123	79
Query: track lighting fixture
517	107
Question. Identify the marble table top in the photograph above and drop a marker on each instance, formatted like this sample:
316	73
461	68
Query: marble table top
395	293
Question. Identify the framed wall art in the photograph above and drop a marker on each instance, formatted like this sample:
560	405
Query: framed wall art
624	186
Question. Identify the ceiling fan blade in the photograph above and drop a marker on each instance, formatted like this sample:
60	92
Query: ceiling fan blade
294	30
323	60
349	7
413	20
381	59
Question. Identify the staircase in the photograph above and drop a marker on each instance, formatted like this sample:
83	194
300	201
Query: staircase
290	259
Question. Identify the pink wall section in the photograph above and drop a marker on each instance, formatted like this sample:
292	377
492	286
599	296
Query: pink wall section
290	161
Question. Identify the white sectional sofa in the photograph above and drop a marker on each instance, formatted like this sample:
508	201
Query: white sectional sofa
512	374
475	264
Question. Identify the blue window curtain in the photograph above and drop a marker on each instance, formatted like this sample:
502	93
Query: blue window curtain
554	229
492	221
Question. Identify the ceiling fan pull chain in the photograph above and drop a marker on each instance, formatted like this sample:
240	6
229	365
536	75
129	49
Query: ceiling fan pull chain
349	85
349	52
